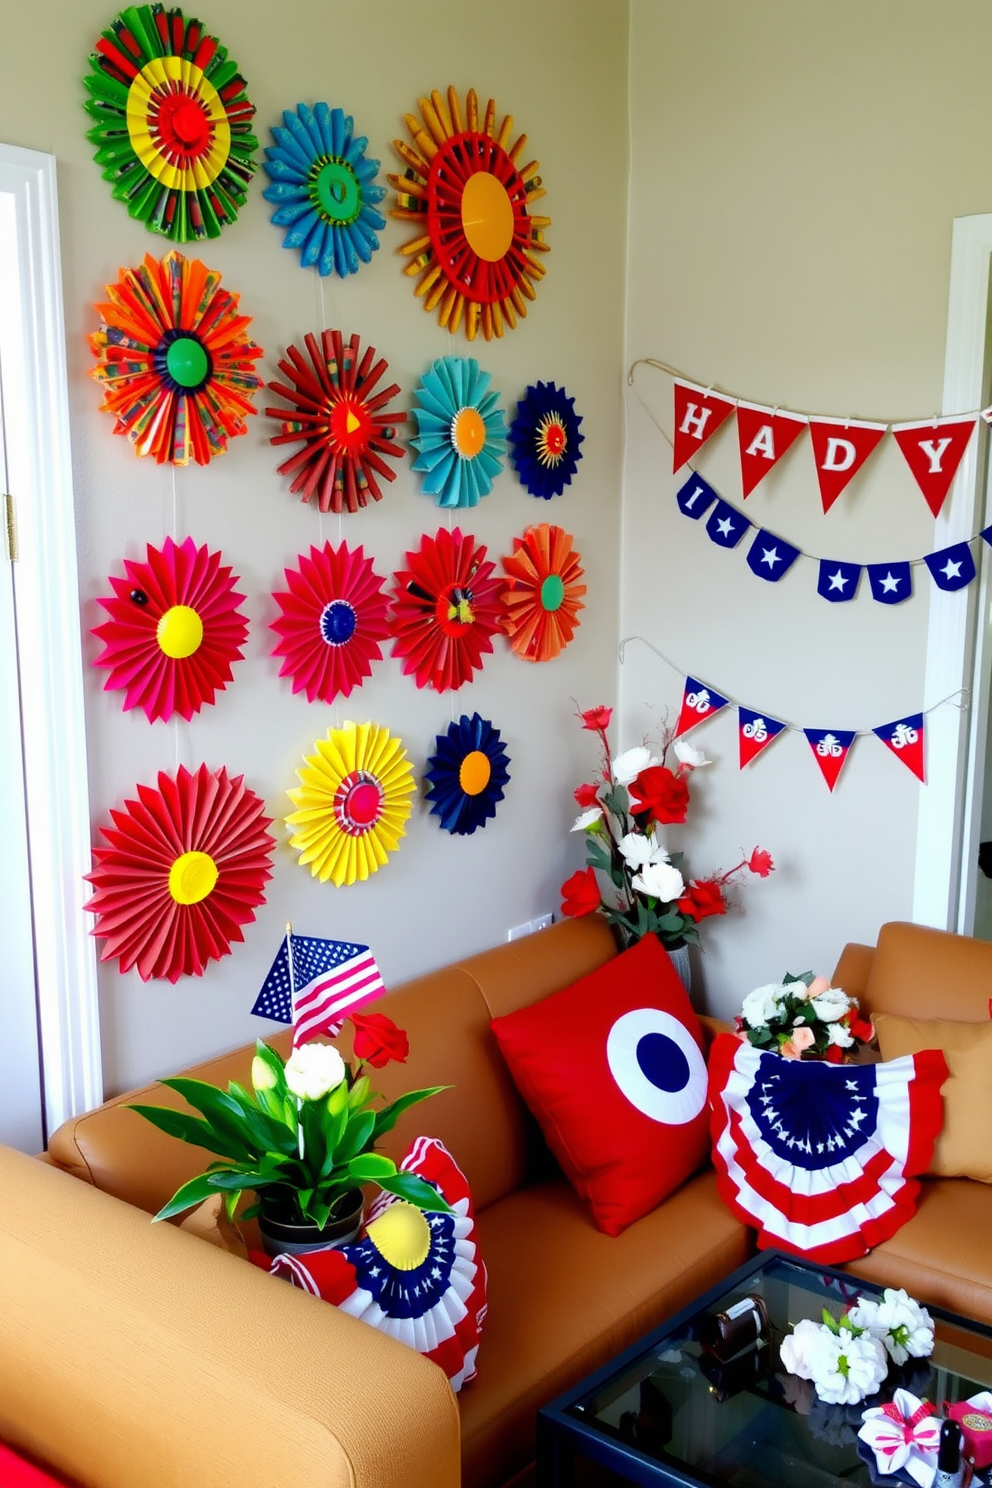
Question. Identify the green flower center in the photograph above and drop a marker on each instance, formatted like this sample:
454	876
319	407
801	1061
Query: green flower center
334	190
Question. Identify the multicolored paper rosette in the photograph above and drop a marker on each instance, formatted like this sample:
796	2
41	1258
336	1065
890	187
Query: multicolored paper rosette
353	802
173	123
461	432
184	868
543	595
545	439
467	773
446	606
324	188
174	362
174	630
476	252
339	419
333	618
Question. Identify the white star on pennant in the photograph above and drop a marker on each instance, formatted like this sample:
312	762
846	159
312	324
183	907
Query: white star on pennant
770	556
837	581
952	569
725	527
889	584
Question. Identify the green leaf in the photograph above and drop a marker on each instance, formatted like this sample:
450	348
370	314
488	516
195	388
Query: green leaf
671	922
192	1193
371	1167
830	1321
388	1117
358	1135
804	976
359	1093
270	1058
221	1110
270	1134
597	855
337	1100
193	1130
416	1191
617	800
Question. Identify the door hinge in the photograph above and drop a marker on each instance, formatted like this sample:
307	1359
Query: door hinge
10	526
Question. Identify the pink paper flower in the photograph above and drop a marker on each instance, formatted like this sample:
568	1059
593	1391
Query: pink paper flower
802	1038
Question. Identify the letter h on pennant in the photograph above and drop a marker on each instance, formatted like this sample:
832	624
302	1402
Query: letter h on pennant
698	414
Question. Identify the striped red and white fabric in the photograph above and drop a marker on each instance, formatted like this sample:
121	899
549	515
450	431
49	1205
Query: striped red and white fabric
324	1003
822	1158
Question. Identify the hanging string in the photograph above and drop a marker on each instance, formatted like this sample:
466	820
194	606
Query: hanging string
960	699
175	538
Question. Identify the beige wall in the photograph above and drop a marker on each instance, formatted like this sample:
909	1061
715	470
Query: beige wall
566	85
795	173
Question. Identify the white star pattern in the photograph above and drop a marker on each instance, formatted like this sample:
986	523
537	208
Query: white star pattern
770	556
837	581
951	569
725	527
889	584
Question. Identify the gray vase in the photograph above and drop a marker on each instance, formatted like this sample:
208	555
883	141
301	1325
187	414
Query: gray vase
283	1237
679	956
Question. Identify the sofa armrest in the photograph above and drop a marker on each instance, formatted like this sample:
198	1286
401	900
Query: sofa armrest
132	1353
853	969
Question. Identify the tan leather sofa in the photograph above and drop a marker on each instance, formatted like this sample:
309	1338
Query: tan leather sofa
133	1354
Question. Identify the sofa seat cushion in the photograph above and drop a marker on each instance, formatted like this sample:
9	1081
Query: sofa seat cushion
564	1298
942	1255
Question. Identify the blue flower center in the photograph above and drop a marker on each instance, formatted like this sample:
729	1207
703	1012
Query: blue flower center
337	622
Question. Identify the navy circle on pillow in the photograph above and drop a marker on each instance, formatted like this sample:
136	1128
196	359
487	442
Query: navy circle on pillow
657	1065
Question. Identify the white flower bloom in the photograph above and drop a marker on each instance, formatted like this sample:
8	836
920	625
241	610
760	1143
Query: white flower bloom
689	755
638	849
763	1004
839	1033
905	1328
314	1069
796	1345
586	819
628	765
845	1369
832	1004
660	880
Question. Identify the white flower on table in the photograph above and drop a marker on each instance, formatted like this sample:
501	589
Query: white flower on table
796	1345
845	1368
314	1069
763	1004
839	1033
904	1328
639	848
659	881
831	1004
627	766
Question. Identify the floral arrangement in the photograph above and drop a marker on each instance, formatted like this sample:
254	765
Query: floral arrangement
303	1139
848	1358
623	808
803	1017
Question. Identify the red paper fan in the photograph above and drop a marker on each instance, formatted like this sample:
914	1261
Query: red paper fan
173	632
543	593
184	869
340	421
446	606
333	618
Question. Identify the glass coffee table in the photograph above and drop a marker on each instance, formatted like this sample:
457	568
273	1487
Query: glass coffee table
668	1412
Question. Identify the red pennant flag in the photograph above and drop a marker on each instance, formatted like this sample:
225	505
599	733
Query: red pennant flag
933	451
698	702
840	450
905	738
755	731
830	750
698	414
765	435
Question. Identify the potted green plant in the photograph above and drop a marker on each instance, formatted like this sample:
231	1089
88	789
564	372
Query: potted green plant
302	1140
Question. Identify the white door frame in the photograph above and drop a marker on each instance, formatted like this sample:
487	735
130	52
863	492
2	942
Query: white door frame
47	599
959	655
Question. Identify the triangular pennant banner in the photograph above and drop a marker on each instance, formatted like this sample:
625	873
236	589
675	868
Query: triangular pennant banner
698	414
725	526
933	452
698	702
696	497
765	435
754	732
770	557
838	581
830	749
905	738
951	568
891	583
840	450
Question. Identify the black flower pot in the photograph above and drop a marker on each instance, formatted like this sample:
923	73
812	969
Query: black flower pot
289	1237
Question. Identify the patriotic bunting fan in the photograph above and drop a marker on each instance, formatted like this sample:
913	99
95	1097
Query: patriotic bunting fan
821	1158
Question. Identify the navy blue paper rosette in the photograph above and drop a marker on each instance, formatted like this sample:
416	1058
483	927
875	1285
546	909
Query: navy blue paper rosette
467	774
545	439
323	185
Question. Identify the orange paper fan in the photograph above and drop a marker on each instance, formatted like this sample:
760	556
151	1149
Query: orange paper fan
543	595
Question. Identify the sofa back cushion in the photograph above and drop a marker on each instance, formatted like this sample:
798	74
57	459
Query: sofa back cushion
922	973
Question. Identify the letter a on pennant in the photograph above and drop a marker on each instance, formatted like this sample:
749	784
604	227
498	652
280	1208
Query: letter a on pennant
764	436
830	748
933	453
905	738
839	451
698	702
698	414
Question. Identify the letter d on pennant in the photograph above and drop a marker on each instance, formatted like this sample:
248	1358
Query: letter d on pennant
839	451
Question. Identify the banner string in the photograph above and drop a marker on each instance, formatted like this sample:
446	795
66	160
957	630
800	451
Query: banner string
960	699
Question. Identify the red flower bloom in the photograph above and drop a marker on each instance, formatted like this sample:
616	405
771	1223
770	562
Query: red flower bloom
860	1028
580	893
834	1054
703	898
661	793
586	795
596	718
378	1040
760	862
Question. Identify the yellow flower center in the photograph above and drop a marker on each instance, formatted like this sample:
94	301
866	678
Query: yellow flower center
487	216
180	632
468	432
192	877
402	1236
474	772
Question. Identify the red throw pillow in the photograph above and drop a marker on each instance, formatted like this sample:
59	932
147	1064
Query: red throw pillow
612	1068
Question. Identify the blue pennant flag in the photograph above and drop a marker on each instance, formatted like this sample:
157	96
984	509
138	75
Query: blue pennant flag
891	583
726	527
770	557
986	532
696	497
952	568
313	958
838	581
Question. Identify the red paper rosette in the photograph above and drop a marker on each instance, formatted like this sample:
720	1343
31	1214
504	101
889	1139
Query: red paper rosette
543	593
340	421
333	618
446	606
184	869
173	632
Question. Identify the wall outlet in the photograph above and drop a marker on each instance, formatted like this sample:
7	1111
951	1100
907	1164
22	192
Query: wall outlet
542	922
529	926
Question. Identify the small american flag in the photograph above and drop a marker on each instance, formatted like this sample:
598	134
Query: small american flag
315	983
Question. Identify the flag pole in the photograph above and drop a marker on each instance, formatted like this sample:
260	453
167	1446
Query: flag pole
292	1005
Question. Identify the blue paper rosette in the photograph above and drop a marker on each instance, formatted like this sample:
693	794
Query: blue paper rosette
467	774
545	439
461	432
